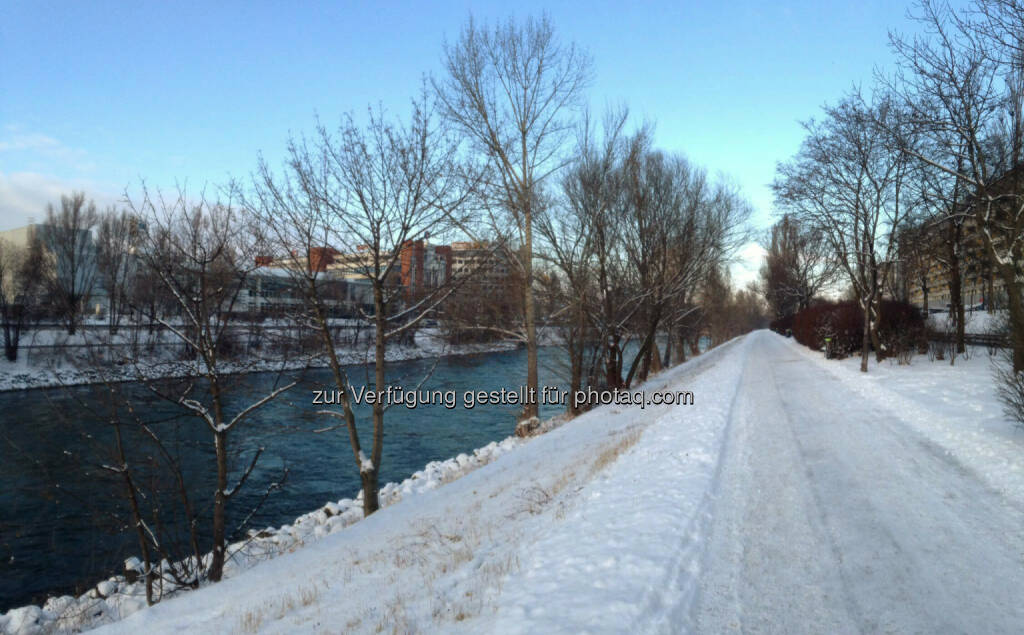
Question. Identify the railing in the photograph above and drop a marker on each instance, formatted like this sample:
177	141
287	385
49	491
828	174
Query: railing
991	340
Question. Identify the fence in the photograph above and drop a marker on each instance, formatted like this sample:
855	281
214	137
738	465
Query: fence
990	340
47	345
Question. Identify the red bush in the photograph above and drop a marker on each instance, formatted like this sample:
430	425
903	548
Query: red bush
783	325
900	326
839	320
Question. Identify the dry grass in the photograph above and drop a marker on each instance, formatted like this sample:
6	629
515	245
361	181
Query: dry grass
462	544
395	618
253	619
536	498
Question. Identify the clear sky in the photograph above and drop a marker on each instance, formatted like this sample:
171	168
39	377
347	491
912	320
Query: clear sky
98	95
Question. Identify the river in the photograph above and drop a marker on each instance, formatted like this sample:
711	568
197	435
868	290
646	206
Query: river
63	517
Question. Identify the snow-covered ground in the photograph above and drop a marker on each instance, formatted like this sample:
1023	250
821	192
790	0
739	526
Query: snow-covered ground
796	495
886	502
975	322
954	406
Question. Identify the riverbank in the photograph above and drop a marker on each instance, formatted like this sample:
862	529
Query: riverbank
116	597
21	376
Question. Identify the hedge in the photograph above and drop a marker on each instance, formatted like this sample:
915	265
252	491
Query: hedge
901	327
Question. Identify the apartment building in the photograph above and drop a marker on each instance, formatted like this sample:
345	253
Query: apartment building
925	254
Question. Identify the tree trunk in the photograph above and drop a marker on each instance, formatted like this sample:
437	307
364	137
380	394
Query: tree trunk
613	363
219	507
990	294
530	407
636	363
577	343
133	500
876	312
575	378
650	354
656	364
1015	306
368	474
956	299
13	322
341	382
644	355
865	346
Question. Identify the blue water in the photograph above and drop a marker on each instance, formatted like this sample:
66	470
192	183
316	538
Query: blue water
63	519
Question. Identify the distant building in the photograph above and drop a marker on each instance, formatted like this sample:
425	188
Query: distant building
486	266
272	289
424	266
924	255
421	266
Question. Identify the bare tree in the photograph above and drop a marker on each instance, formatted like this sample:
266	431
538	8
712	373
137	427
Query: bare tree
117	237
573	230
566	289
510	90
593	189
730	312
798	265
364	195
23	274
201	252
961	81
67	236
639	231
677	224
847	182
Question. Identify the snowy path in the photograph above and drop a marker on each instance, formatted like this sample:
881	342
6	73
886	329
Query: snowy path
836	516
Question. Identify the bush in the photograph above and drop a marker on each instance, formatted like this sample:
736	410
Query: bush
783	325
1009	384
840	321
900	329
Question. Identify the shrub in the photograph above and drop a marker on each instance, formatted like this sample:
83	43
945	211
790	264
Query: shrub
1009	384
900	328
783	325
840	321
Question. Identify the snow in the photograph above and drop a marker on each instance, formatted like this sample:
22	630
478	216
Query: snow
365	464
854	503
627	555
796	495
975	322
953	406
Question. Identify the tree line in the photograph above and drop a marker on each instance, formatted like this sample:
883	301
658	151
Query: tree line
912	173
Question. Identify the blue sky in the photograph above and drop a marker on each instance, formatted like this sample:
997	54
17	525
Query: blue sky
97	95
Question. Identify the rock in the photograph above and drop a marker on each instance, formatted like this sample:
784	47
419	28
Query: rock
527	427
